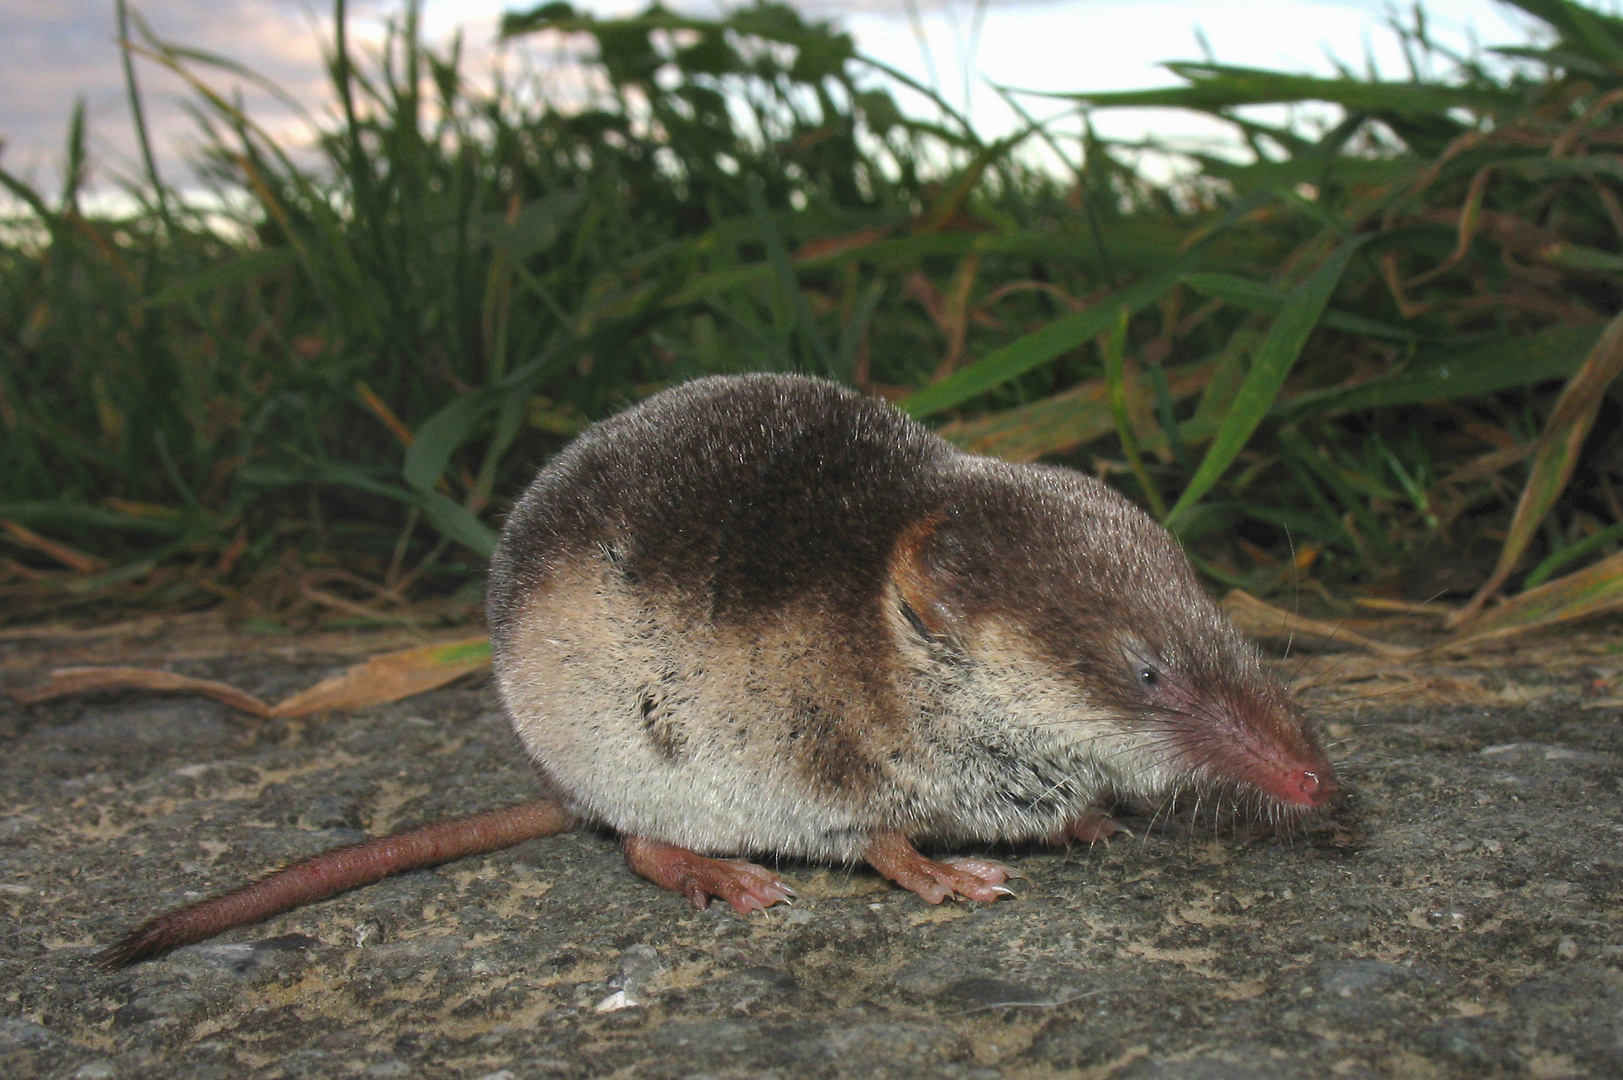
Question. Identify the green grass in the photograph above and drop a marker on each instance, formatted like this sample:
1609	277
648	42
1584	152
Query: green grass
1342	353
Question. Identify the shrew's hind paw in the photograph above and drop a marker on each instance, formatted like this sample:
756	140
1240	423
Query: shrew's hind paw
744	885
971	879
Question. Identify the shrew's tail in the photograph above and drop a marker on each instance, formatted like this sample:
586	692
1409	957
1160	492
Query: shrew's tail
336	871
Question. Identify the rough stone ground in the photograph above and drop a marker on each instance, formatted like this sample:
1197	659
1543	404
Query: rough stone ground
1457	916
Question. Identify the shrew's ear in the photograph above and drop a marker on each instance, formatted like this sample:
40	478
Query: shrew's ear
921	584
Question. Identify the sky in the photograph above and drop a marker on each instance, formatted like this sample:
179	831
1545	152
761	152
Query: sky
52	54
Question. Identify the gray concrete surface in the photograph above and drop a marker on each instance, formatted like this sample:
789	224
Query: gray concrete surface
1457	916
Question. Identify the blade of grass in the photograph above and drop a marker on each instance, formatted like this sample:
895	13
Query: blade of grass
1262	619
1167	415
89	517
1561	556
62	553
1038	347
1552	353
1562	439
1594	590
84	680
1219	87
788	284
132	91
1269	367
389	677
1058	424
1260	296
856	326
378	681
1114	349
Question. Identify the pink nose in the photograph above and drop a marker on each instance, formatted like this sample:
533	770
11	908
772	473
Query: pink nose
1311	787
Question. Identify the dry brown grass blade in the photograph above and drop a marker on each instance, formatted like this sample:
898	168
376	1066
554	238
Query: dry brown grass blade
350	607
1571	137
1065	421
1591	591
384	413
827	247
1051	426
390	677
986	311
377	681
955	309
1489	464
73	560
1428	609
1563	438
1465	221
66	632
1262	619
84	680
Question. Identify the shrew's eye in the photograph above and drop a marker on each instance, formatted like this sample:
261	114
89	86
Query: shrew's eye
1148	676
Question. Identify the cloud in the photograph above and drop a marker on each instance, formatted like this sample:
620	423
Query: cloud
56	54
